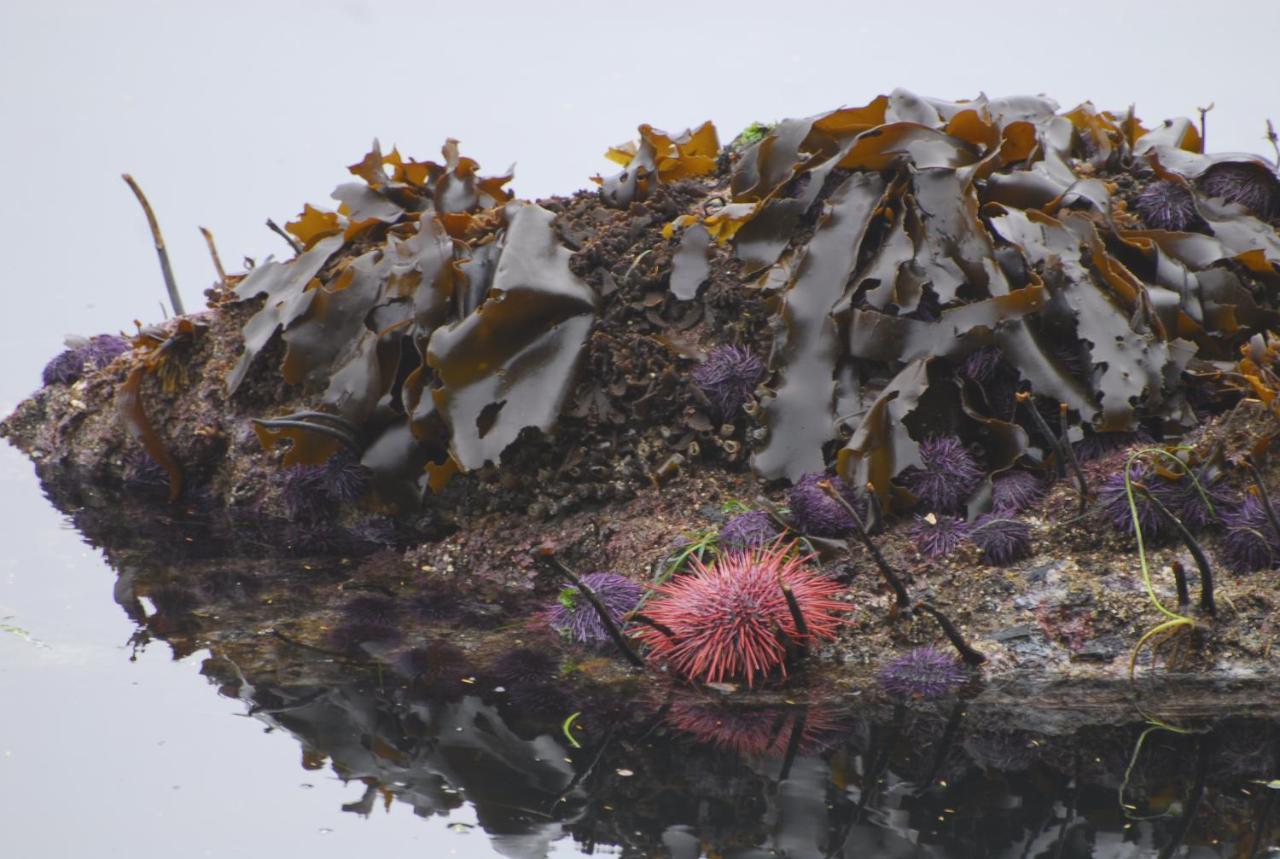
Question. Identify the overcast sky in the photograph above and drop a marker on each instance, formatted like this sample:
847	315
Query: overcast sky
232	112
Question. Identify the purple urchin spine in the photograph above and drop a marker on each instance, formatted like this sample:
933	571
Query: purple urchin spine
1166	205
1115	500
982	364
1015	491
1249	184
923	672
750	530
948	477
1198	511
95	353
728	377
1001	541
573	616
1249	543
817	514
938	536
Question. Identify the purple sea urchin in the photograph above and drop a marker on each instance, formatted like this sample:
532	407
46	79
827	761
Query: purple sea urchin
93	354
1249	184
1198	510
573	617
949	475
1167	205
311	491
1096	445
923	672
938	536
1248	543
1115	500
982	364
814	512
367	618
728	376
1001	540
751	530
1015	491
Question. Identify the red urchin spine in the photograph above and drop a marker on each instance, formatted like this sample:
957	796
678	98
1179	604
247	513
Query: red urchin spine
731	620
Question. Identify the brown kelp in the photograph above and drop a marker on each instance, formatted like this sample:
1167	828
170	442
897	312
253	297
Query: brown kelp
898	242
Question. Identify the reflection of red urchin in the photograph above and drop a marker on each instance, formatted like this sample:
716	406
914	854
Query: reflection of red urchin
728	621
757	731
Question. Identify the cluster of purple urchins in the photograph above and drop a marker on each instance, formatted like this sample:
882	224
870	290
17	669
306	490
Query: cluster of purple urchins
1194	507
1249	541
728	376
311	491
948	476
575	618
1251	185
815	512
1167	205
924	672
94	354
750	530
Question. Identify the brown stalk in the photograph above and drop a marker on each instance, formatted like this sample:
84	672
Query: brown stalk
175	300
293	243
899	590
967	653
213	253
601	611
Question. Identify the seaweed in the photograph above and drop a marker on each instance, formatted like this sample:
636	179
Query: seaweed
921	262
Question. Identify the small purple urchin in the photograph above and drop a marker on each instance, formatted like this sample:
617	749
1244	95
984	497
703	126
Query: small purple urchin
1249	543
982	364
816	513
311	491
1249	184
728	376
94	354
923	672
750	530
1096	445
575	618
948	477
367	618
1115	500
1015	491
1197	511
937	536
1166	205
1001	540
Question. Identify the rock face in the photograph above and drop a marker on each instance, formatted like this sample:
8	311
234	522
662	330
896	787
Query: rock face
950	306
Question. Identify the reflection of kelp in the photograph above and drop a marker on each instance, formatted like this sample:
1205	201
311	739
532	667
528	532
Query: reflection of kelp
441	724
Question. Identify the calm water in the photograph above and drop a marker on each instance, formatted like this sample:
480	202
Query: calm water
108	746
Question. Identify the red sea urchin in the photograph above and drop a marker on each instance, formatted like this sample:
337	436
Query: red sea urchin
730	620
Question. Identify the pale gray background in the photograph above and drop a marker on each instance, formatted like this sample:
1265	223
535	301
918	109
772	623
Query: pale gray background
230	112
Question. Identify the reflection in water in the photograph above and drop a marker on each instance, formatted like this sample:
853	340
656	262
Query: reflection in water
440	704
